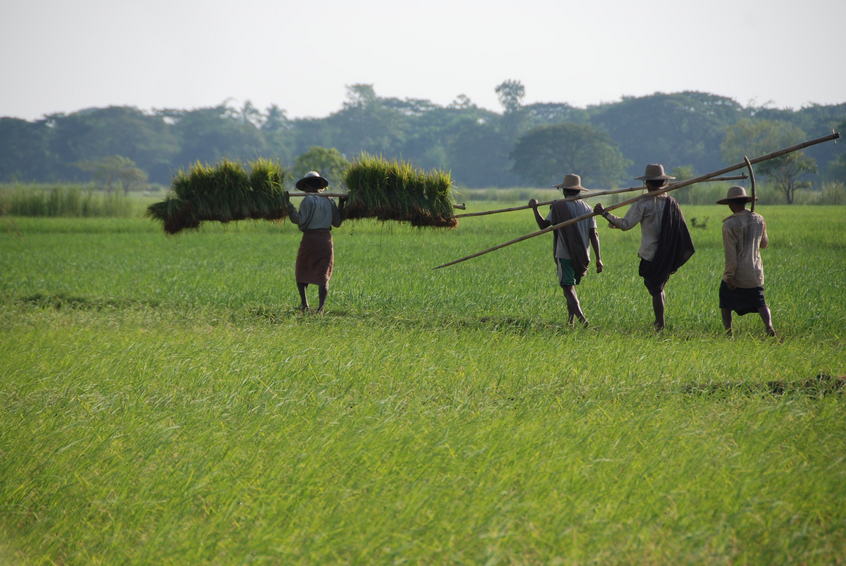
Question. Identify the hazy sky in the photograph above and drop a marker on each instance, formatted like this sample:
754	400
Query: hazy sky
64	55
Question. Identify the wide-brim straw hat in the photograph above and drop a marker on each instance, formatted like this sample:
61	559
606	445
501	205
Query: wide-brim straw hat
654	172
312	179
571	183
736	194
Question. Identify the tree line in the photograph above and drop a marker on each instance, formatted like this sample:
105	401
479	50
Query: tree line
522	145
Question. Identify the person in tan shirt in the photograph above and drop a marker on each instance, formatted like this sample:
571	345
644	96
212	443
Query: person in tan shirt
742	286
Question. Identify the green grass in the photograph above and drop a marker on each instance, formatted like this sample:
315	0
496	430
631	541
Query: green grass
77	201
162	401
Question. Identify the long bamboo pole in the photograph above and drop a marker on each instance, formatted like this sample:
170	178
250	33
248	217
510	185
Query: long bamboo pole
459	206
327	195
584	196
773	155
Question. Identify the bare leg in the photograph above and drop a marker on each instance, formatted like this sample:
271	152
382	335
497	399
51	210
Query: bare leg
301	287
767	319
573	306
322	291
726	320
658	307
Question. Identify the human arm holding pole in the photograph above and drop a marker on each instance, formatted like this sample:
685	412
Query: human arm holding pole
338	212
540	220
633	216
293	213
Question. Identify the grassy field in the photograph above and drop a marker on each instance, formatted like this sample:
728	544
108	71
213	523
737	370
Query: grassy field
161	400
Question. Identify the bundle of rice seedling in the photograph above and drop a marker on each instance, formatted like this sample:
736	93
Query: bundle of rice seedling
393	190
223	193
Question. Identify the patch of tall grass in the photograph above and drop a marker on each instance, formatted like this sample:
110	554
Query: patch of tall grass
64	200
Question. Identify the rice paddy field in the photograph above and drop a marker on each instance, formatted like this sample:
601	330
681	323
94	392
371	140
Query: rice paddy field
163	402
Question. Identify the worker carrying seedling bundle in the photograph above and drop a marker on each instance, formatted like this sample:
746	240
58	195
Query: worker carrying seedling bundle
742	286
570	244
665	243
316	256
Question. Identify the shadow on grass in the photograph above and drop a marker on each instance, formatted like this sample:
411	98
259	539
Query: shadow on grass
821	385
69	302
499	324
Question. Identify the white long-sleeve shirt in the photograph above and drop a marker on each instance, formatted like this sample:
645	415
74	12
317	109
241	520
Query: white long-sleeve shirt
648	212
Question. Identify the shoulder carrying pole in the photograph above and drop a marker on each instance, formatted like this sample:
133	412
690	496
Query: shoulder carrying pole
751	180
327	195
773	155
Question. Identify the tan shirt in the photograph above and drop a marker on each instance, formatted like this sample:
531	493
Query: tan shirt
647	211
744	234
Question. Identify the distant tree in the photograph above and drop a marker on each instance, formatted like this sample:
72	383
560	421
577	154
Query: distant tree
327	160
478	154
114	171
214	133
510	93
753	137
678	128
23	150
837	166
147	139
683	172
360	95
461	102
816	120
249	114
837	169
547	153
549	113
367	123
452	138
278	133
513	120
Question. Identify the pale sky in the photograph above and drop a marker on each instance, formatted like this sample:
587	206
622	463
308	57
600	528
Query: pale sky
65	55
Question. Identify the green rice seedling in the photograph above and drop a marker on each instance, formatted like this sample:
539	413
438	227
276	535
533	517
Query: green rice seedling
266	179
223	193
394	190
62	200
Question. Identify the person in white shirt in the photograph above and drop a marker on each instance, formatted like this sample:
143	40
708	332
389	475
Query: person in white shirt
665	243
